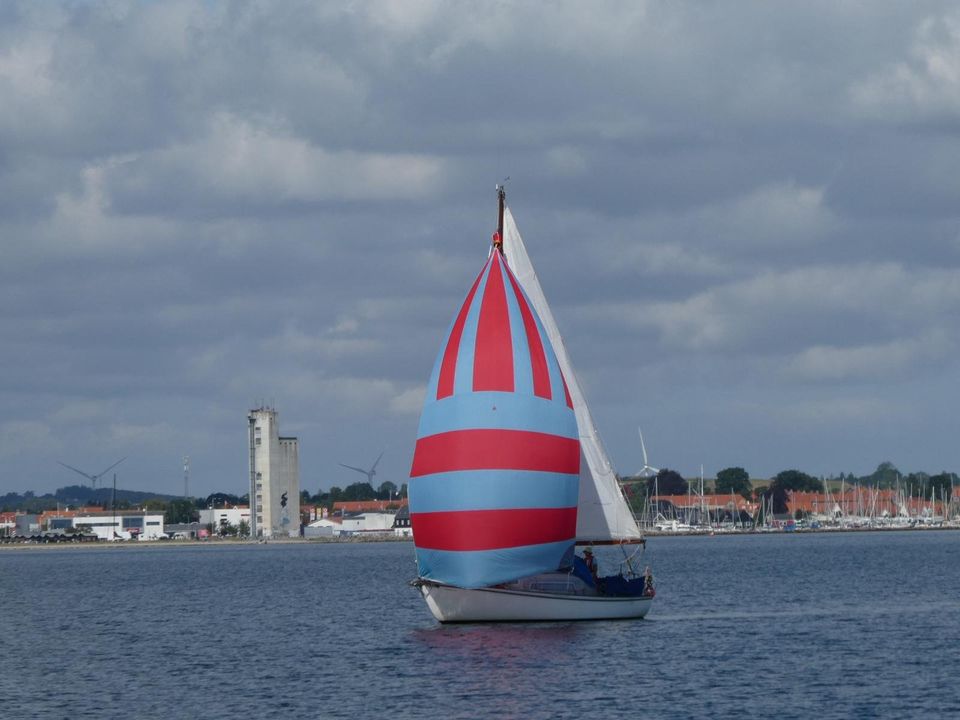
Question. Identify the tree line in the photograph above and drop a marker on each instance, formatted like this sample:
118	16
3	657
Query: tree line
737	481
356	492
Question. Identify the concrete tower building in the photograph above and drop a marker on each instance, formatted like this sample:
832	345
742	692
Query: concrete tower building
274	477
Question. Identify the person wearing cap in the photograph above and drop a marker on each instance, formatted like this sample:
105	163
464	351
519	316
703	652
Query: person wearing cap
590	562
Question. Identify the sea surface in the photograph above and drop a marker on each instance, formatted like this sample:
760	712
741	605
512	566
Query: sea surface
852	625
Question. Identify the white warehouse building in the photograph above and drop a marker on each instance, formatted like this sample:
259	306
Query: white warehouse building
122	525
368	522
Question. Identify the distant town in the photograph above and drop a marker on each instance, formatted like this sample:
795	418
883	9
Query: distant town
274	508
663	501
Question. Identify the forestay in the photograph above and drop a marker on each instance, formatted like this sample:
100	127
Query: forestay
603	513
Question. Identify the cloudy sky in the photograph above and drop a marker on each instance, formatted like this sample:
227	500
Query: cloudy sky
745	216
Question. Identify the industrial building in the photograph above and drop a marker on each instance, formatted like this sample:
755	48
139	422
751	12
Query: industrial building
103	524
274	477
118	524
220	517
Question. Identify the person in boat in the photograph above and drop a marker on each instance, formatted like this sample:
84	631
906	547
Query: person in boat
585	568
648	590
590	562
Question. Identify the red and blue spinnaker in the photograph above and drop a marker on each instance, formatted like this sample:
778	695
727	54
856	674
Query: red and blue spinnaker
494	483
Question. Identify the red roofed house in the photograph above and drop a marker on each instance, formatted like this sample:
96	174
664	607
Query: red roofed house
354	506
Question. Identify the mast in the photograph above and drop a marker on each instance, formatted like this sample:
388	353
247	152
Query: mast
498	235
501	197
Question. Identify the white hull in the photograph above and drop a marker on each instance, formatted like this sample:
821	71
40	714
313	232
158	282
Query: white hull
453	604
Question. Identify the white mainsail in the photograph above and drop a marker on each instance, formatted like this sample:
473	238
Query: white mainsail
602	511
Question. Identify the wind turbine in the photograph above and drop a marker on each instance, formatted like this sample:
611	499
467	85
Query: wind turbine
648	470
92	478
369	473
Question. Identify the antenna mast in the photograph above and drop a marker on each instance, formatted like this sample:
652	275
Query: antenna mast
186	476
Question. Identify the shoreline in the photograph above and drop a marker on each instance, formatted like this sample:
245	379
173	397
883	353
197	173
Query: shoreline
798	531
353	539
219	542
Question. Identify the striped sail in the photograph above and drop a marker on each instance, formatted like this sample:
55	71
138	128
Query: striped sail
495	478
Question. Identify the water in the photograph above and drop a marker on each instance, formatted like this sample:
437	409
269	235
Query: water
859	625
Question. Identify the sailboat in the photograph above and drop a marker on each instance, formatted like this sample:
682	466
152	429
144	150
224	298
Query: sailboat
509	473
